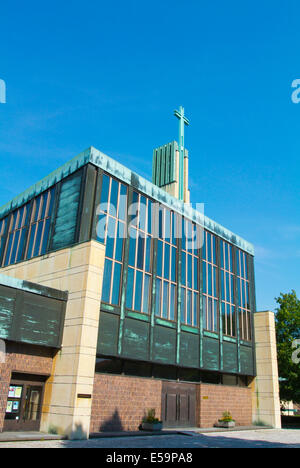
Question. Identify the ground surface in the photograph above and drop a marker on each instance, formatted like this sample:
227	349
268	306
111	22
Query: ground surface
289	438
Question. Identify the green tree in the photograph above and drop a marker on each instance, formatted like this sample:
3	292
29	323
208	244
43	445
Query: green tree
287	319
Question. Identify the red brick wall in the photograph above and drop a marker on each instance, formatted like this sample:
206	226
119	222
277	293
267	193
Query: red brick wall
215	399
119	403
22	358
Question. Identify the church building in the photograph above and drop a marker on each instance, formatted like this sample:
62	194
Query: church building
117	297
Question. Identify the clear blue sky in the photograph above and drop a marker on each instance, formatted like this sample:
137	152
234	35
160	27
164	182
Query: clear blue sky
110	74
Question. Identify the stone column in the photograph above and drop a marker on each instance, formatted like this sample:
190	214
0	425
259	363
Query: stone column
68	393
266	403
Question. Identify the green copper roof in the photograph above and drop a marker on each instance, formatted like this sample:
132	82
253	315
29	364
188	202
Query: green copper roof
101	160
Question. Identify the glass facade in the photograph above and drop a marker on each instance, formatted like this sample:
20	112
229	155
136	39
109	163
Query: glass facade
166	270
138	295
210	283
189	274
28	230
243	294
213	273
227	289
111	231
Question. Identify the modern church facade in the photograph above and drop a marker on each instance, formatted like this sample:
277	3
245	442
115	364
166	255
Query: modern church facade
117	297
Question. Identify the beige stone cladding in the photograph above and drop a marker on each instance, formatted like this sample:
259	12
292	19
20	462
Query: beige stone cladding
78	270
266	402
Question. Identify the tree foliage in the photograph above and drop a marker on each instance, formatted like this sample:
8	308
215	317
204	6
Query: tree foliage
287	331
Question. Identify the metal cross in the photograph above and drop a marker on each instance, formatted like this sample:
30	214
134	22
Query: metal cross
182	122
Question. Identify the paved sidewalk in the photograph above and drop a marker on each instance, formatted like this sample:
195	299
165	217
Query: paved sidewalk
263	438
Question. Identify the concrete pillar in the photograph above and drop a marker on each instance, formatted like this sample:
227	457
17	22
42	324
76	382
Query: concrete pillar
68	393
266	403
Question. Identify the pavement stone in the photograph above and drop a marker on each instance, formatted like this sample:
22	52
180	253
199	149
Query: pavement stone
268	438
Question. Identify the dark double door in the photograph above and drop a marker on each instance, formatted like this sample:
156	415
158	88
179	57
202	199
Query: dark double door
24	406
178	404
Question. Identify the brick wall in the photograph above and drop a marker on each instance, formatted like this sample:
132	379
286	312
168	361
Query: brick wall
22	358
215	399
119	403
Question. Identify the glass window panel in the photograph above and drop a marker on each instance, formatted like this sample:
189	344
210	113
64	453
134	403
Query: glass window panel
209	257
150	214
214	250
216	327
114	193
183	304
129	288
21	246
37	208
209	271
158	297
110	240
116	284
204	302
172	301
44	205
15	247
190	271
165	311
101	227
123	203
167	226
134	209
138	291
183	234
195	310
148	254
146	294
183	268
160	222
132	246
189	307
210	313
106	281
224	318
38	239
167	262
233	321
195	286
173	268
159	257
204	264
140	252
31	240
143	213
120	241
104	192
46	235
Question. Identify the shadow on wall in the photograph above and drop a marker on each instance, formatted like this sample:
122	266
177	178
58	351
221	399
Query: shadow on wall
113	424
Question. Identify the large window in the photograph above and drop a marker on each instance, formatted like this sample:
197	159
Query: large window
16	236
189	274
227	289
111	231
3	224
138	297
40	224
166	284
243	296
210	283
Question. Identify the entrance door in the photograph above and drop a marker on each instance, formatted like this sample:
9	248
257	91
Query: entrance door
24	406
178	404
